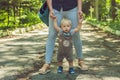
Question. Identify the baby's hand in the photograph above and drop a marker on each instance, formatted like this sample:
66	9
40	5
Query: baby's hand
80	20
55	19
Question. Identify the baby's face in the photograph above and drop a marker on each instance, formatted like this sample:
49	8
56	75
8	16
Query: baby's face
66	27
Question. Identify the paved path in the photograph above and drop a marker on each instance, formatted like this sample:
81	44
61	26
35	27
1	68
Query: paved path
24	54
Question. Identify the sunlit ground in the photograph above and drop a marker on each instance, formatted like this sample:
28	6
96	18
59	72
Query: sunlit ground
19	52
101	54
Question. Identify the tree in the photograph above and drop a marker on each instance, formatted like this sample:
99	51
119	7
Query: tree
96	9
113	10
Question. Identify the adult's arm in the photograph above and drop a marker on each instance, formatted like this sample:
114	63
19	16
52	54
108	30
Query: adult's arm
80	13
51	12
80	16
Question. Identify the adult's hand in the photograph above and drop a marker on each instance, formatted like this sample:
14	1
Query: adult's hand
80	19
80	14
52	15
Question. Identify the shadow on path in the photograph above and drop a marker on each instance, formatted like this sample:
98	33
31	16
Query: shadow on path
24	55
18	54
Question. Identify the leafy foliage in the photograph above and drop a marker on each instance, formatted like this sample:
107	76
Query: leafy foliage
20	13
108	15
23	13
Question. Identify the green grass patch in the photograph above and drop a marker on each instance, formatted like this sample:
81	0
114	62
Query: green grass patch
107	26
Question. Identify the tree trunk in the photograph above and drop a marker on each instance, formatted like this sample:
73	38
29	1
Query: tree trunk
14	14
113	10
8	14
96	9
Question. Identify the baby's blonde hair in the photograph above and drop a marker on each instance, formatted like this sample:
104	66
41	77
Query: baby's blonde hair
66	21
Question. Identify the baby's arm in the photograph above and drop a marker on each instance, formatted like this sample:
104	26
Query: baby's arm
79	25
57	28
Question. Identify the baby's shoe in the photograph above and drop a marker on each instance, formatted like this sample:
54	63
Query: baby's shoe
71	70
60	69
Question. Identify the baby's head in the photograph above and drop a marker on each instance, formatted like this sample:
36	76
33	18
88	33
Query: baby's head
66	24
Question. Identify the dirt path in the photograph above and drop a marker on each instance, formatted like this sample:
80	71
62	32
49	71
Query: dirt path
101	53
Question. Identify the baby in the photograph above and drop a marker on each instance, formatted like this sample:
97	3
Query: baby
65	50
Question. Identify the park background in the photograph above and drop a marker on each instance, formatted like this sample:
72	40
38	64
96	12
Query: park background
18	14
23	38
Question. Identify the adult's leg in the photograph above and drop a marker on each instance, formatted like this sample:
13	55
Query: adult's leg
50	42
51	37
49	47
